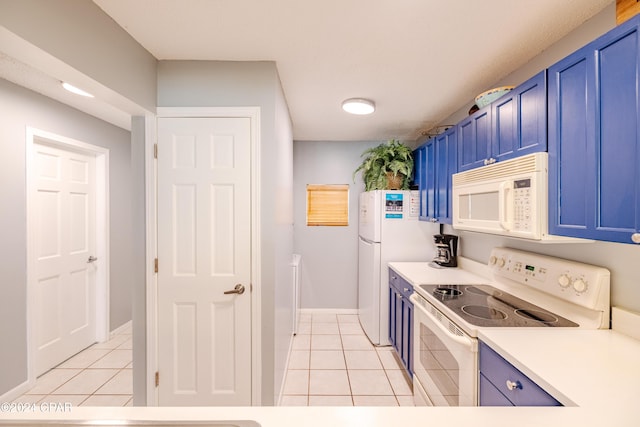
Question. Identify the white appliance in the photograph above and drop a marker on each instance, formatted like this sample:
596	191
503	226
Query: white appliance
527	290
507	198
389	230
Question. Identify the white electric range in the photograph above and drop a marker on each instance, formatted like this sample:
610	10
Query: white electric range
525	290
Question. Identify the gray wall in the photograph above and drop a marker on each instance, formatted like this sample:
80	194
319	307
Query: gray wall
329	254
619	258
20	108
80	34
228	84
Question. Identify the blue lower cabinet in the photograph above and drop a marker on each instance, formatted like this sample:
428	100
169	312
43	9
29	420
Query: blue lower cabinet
502	384
401	319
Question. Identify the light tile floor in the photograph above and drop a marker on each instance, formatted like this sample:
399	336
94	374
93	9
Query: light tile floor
333	363
98	376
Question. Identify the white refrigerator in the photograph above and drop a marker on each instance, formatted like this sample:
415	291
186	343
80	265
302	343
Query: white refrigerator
389	230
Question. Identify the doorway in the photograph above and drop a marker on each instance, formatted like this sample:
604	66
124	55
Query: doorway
67	248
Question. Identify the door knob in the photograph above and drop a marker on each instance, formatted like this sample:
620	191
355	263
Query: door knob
91	259
239	289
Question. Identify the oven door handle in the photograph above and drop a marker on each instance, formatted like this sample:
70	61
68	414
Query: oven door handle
463	340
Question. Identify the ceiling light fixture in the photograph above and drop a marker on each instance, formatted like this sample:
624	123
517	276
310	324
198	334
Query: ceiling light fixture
358	106
75	90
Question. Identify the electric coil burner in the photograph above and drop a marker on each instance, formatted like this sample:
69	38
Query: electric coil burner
486	306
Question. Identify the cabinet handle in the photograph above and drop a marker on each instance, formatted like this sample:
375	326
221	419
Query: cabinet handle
405	289
514	385
635	237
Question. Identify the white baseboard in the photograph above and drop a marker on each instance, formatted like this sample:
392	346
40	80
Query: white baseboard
286	369
329	311
120	328
16	392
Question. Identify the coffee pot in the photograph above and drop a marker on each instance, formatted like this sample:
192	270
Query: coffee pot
446	249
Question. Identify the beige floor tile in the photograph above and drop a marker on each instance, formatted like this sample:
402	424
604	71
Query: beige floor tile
299	359
106	400
405	400
301	342
324	318
72	399
388	359
324	328
348	318
294	401
53	379
375	401
369	383
351	329
114	359
121	383
111	344
362	359
329	382
127	345
327	359
30	398
356	342
305	317
85	358
297	382
330	401
326	342
87	381
399	383
304	328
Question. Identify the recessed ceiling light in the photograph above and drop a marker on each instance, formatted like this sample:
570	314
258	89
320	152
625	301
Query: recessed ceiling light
75	90
359	106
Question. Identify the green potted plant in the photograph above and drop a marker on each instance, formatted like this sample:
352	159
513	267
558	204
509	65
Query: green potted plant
386	167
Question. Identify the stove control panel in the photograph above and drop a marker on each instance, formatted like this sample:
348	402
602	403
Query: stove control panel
582	284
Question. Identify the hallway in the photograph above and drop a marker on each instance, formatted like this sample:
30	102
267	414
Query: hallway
101	375
332	363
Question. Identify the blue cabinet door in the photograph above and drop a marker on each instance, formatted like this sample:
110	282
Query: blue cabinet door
520	120
446	166
474	139
594	139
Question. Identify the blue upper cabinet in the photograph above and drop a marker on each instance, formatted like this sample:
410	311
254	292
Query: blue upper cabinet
474	140
512	126
594	139
437	163
520	120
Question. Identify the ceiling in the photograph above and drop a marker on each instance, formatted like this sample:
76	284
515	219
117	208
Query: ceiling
418	60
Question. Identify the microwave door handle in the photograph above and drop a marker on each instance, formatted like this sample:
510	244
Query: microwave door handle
505	205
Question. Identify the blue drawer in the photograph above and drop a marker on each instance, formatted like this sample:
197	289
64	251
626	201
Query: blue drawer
400	284
500	373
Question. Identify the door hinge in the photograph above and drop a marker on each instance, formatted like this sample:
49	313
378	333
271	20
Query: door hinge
155	265
157	378
155	151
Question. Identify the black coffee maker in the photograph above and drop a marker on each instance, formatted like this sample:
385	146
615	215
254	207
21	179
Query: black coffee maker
446	249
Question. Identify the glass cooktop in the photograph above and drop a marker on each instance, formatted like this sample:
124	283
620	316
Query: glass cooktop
484	305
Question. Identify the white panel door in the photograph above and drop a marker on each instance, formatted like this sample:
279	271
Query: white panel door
204	249
65	238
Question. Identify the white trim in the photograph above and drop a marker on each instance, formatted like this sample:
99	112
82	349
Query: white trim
253	113
152	253
16	392
119	329
286	369
102	234
329	311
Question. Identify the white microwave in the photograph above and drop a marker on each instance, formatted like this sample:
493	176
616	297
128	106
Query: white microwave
507	198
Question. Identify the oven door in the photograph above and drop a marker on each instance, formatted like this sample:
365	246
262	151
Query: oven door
445	359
